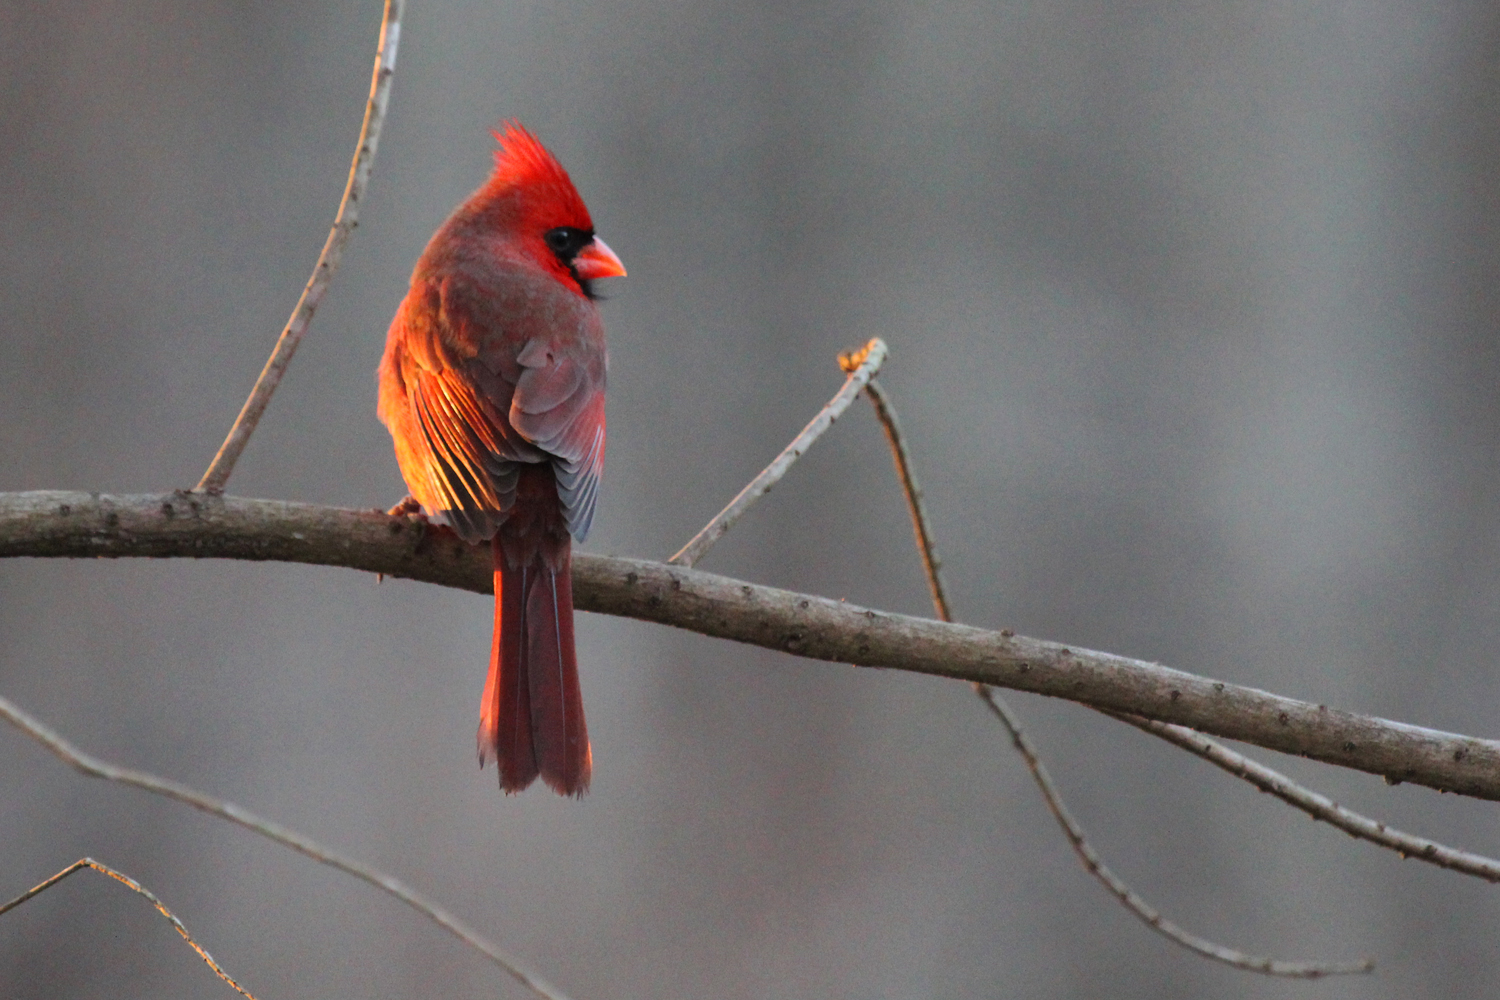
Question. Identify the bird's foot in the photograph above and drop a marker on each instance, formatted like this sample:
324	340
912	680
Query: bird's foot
408	507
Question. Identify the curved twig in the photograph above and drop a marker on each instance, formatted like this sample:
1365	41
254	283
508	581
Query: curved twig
912	491
1267	780
121	877
96	768
1147	913
1092	862
863	366
1318	806
328	261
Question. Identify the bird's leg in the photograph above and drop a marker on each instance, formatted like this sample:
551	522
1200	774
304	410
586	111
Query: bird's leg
408	507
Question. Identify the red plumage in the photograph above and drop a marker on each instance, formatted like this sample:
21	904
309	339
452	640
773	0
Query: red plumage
492	386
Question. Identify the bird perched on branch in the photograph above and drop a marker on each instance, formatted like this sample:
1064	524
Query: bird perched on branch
492	386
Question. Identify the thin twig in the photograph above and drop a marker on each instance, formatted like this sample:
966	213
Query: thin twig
96	768
932	565
1092	862
82	863
863	366
1316	805
328	261
69	524
912	490
1127	896
1267	780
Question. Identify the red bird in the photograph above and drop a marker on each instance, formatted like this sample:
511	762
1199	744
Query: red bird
492	386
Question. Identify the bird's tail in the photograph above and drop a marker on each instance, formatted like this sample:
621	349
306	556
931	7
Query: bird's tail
531	719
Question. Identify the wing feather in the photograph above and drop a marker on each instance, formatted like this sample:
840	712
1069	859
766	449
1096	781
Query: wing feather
472	487
559	407
477	412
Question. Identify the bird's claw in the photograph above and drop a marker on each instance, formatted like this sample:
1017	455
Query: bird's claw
408	507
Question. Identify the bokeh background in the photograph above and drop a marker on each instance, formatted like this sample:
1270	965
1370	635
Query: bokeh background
1192	309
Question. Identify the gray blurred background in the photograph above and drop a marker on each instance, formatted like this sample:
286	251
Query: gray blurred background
1192	313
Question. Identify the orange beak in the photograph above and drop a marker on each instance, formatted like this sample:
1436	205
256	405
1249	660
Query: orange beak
597	260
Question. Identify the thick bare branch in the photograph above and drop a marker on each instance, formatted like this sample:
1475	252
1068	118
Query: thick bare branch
96	768
328	261
126	880
862	367
192	525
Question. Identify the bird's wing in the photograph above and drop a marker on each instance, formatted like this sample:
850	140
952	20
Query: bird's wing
467	452
558	406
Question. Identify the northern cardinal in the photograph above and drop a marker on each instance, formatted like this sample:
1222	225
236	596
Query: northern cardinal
492	386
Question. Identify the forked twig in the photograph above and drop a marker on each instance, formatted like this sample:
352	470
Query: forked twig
863	366
1318	806
1092	862
82	863
1267	780
856	364
96	768
328	261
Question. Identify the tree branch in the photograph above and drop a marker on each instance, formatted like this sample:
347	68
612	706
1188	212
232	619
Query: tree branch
890	425
328	261
126	880
1318	806
62	524
93	767
1093	863
862	366
1273	782
1132	900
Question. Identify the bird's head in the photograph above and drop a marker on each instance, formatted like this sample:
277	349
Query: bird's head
543	213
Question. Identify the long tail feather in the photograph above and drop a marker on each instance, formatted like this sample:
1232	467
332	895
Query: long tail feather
559	736
531	717
505	711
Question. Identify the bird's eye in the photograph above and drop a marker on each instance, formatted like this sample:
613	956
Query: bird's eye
566	241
